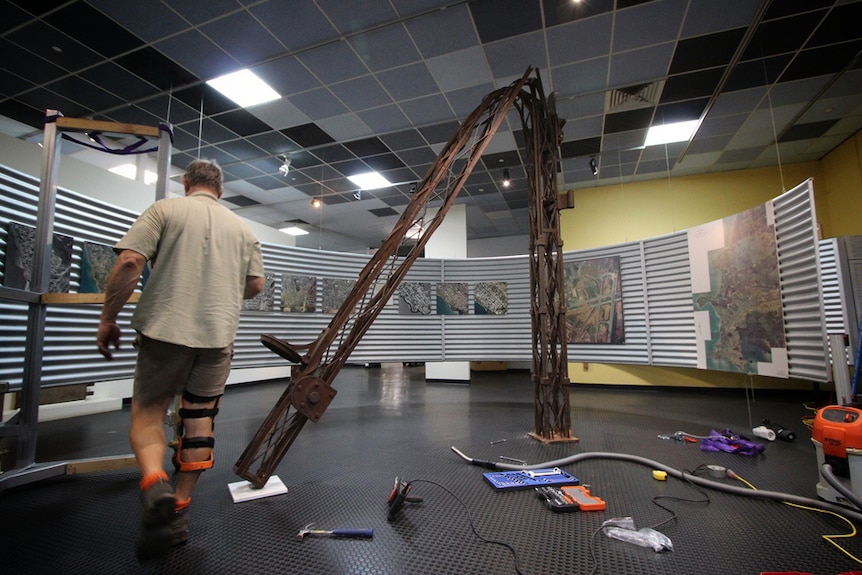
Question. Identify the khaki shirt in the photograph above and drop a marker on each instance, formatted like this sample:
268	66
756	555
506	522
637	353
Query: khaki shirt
200	253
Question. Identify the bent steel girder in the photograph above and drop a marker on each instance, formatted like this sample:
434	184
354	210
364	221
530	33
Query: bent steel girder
309	391
543	135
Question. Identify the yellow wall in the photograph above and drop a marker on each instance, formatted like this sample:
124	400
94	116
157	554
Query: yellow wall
620	213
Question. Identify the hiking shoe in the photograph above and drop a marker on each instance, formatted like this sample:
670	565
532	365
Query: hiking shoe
179	528
157	513
158	504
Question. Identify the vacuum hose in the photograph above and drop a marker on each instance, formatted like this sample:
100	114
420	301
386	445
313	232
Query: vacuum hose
700	481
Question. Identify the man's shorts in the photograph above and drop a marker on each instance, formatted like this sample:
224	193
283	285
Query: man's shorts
165	369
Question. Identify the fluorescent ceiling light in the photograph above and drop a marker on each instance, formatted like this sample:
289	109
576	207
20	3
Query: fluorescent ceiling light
244	88
293	231
369	181
670	133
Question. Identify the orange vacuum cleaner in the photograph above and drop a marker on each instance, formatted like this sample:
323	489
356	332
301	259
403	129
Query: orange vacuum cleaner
837	439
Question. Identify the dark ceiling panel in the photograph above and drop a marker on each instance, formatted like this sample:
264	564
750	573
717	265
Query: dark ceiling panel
755	73
155	68
243	122
836	26
308	135
241	200
680	111
807	131
92	28
691	85
627	121
498	19
823	60
367	147
706	51
790	7
779	36
54	46
578	148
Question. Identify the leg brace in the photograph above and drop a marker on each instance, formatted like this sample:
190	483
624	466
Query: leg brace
199	441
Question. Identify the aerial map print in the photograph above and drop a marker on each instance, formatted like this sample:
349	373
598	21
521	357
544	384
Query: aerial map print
298	293
594	301
20	248
452	299
414	298
264	300
96	263
737	301
492	298
334	293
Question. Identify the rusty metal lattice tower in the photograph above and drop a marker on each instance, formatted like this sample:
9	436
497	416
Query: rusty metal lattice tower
317	363
543	134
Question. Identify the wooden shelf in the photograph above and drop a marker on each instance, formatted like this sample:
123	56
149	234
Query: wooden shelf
81	298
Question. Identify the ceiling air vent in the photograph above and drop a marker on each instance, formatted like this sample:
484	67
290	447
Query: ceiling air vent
633	97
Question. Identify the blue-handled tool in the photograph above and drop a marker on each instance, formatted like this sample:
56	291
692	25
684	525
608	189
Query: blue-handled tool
345	533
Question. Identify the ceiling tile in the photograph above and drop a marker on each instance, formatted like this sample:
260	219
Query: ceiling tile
790	7
315	27
10	84
384	119
456	20
308	135
465	100
367	147
581	78
403	140
11	16
318	103
708	16
243	150
823	60
361	93
273	142
28	65
345	127
240	200
54	46
706	51
756	73
149	21
580	40
385	48
333	62
640	66
372	13
806	131
429	110
118	81
498	19
243	123
411	81
243	37
835	28
511	57
691	85
680	111
779	36
460	69
381	212
198	54
81	90
199	12
286	75
578	148
658	22
80	20
154	67
279	114
630	120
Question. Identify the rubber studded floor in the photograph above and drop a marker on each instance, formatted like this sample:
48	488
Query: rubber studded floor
387	422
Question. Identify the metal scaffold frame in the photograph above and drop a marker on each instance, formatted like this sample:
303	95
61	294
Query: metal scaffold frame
23	426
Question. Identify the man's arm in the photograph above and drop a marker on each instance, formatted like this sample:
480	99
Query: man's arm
122	280
253	286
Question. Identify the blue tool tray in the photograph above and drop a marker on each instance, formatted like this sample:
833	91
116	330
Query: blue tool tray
529	479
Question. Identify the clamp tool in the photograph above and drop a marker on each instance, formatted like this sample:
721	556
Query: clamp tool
343	533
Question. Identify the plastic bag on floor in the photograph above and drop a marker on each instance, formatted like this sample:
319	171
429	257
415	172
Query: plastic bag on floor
623	528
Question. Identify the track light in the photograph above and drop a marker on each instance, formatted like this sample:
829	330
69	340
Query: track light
285	166
506	180
594	166
315	203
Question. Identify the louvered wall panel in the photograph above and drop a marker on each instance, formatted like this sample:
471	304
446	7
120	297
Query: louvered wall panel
505	337
635	348
799	273
669	301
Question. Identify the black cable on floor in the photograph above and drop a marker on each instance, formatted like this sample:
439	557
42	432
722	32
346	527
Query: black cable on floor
473	525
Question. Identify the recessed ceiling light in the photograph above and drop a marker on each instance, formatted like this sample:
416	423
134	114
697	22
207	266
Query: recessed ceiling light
369	181
670	133
293	231
244	88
